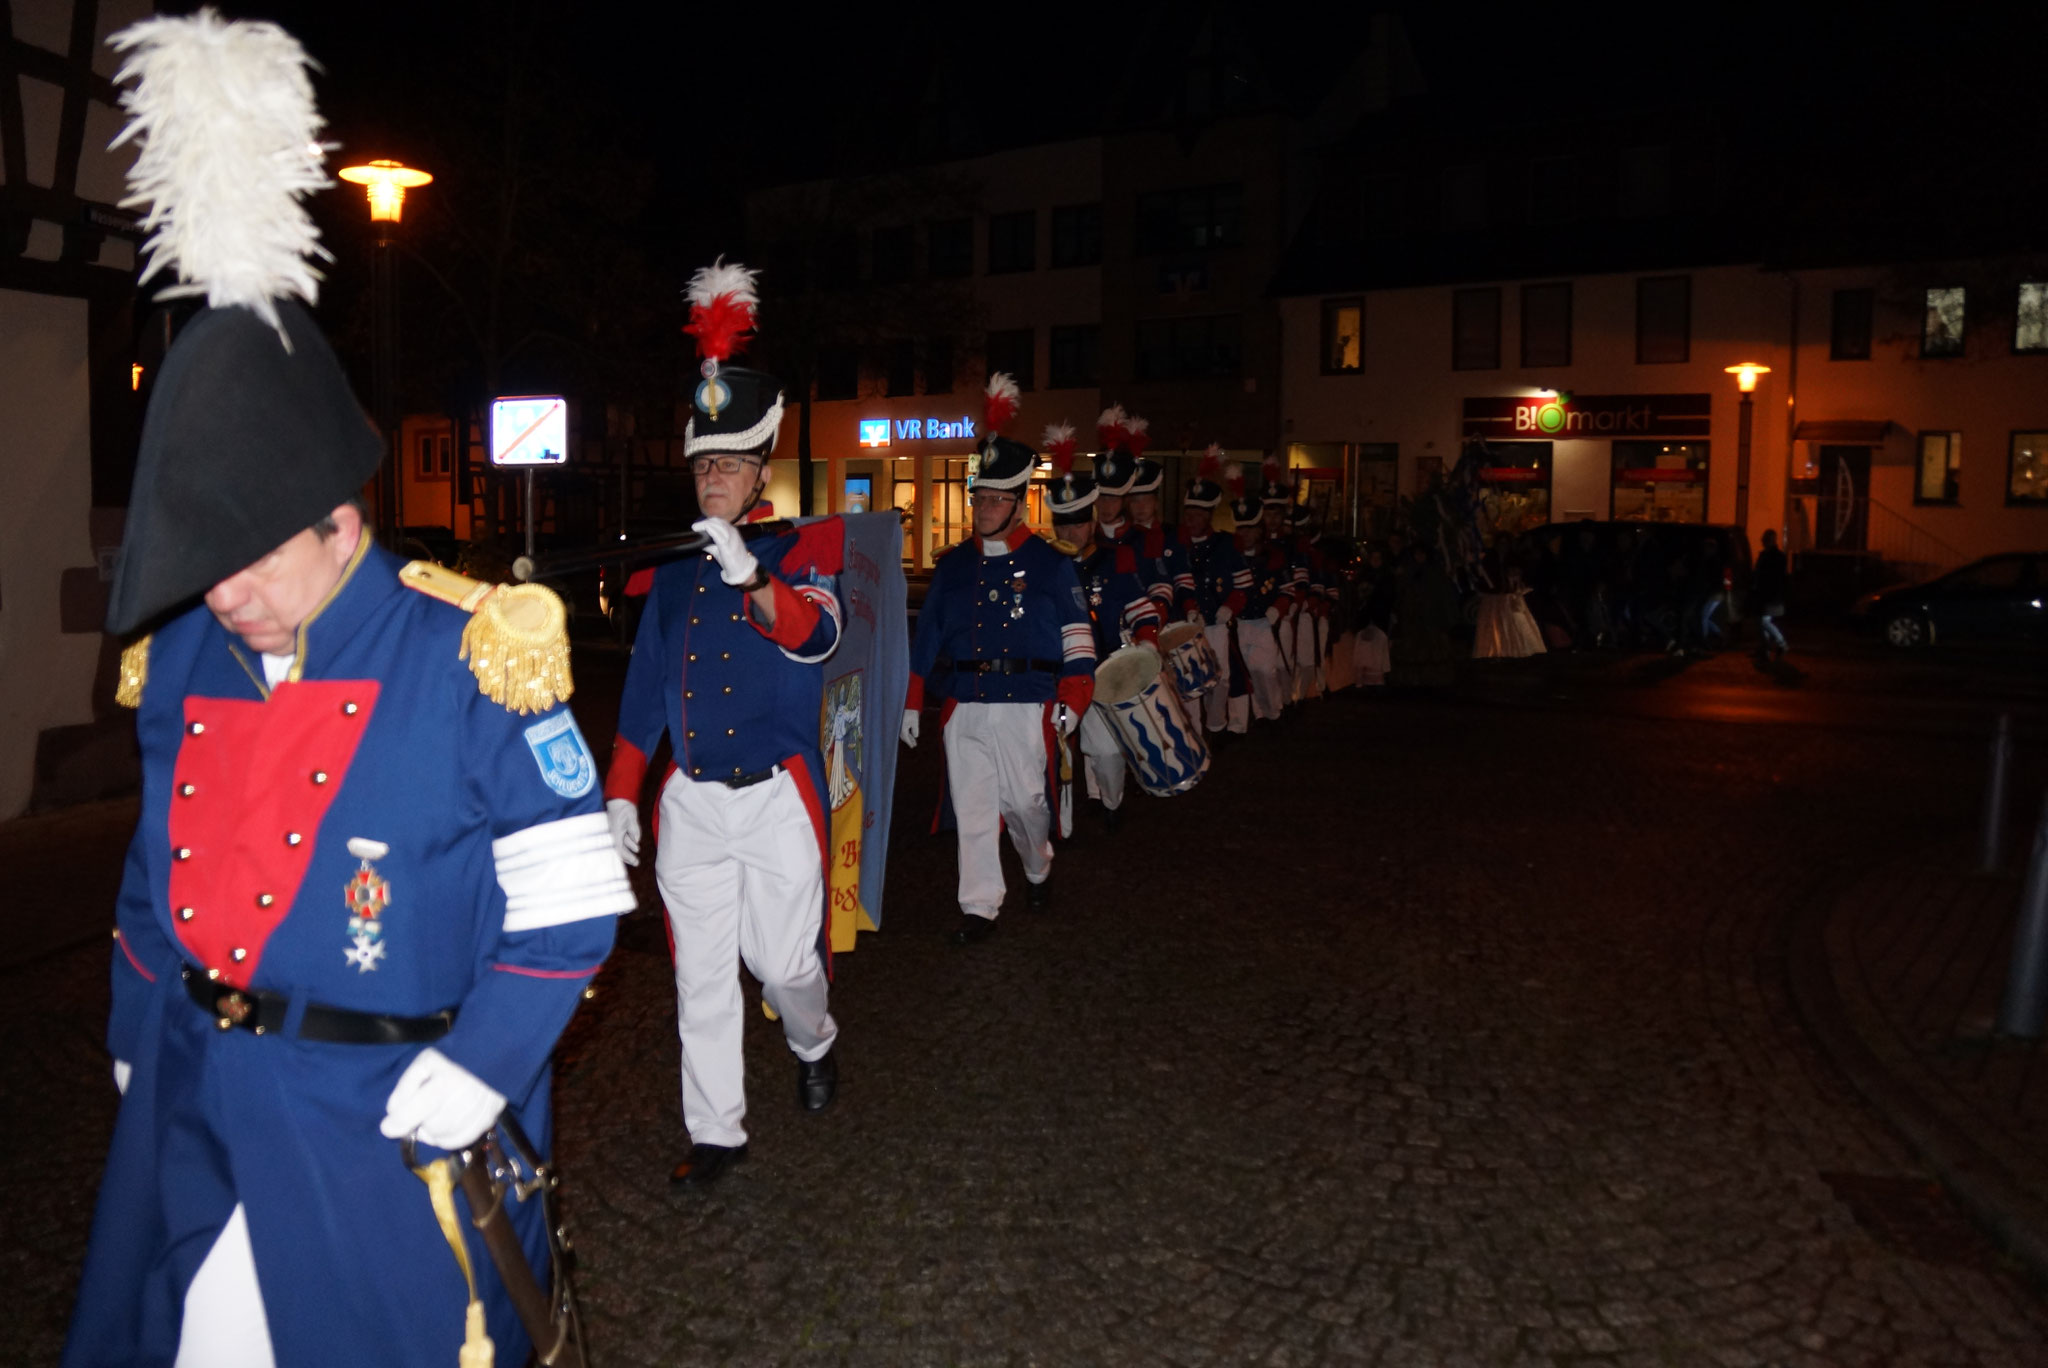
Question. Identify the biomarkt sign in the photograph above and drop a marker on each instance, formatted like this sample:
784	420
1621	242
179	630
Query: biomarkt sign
878	432
1562	417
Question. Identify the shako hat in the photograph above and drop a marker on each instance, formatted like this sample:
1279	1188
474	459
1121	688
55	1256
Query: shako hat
1276	489
1243	507
1115	467
252	434
1149	477
736	409
1000	463
1203	491
1068	496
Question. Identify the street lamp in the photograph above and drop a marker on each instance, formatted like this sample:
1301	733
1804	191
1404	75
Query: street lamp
1745	373
386	183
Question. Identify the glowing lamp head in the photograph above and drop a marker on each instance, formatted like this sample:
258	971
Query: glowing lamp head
386	182
1745	374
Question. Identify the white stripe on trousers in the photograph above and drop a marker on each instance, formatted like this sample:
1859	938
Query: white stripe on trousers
995	768
740	875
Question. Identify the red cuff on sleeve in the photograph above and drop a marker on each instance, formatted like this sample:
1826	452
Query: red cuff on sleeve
628	770
1076	690
914	699
1148	633
795	616
639	582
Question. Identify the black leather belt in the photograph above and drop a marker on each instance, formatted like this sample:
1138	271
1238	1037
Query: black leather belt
749	780
263	1013
1007	665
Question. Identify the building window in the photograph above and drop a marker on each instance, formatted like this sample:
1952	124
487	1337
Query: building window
426	470
951	248
1012	242
445	445
1941	461
1188	348
1475	329
939	365
895	252
1849	331
1343	336
899	367
1644	190
1547	324
1077	235
1076	360
1941	327
1013	350
2030	318
1663	320
1555	189
1191	220
1464	192
2026	469
1660	482
838	373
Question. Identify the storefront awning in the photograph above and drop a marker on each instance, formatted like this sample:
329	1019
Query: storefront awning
1855	431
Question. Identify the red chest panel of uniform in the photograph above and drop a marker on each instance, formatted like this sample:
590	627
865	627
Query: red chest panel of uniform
251	787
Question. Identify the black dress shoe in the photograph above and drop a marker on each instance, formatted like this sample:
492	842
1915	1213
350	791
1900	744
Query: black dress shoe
1038	896
706	1165
1112	818
973	929
817	1082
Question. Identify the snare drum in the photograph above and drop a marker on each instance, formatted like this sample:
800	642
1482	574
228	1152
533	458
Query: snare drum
1189	659
1167	753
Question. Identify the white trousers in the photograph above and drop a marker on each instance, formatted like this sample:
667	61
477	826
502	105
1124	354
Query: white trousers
1262	658
1104	756
1219	709
740	874
224	1320
995	769
1304	649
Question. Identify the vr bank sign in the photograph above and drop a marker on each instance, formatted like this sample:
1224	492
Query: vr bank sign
876	432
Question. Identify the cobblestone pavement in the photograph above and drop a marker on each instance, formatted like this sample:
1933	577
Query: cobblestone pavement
1418	1034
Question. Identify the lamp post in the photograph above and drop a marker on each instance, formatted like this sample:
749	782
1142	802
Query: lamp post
386	183
1745	373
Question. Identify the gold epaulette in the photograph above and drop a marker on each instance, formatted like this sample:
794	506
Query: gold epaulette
517	640
133	675
1063	546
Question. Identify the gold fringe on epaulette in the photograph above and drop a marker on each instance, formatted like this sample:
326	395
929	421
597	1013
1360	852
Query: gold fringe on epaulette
517	646
134	673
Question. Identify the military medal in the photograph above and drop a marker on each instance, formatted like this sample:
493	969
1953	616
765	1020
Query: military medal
368	896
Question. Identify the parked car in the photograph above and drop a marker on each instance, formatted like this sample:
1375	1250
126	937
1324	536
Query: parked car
2004	596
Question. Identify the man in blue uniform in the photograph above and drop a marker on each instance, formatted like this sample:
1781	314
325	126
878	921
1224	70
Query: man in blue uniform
1269	603
728	661
1120	609
1222	582
1162	560
1314	592
369	884
1004	644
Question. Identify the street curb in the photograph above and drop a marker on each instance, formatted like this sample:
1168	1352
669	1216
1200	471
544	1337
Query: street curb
1980	1184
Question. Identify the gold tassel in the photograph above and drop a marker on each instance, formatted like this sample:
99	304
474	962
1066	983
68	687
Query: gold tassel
517	640
133	675
477	1350
517	646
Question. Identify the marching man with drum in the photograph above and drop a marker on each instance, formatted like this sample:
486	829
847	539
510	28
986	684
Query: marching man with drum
1223	581
1272	599
1119	606
1004	645
1162	560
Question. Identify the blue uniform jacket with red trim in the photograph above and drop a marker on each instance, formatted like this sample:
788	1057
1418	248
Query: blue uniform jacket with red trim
1163	565
372	834
735	697
1273	579
1024	604
1119	605
1223	577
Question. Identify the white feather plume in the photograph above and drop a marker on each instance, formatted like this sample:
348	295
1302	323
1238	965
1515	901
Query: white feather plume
1233	471
1056	433
1138	425
1113	416
1002	385
229	143
721	279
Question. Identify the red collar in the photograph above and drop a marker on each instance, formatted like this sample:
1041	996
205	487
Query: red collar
1009	541
760	512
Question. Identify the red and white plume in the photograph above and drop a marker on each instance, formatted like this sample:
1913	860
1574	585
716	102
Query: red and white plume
1233	479
228	143
1212	462
1001	404
722	308
1140	436
1110	428
1059	444
1274	472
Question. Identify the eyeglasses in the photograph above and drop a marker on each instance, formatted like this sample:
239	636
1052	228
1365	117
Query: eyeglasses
724	465
991	496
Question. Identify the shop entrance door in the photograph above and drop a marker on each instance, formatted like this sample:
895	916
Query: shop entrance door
1842	520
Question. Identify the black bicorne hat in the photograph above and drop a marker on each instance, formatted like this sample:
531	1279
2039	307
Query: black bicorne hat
245	445
1069	497
1202	494
736	410
1115	471
1148	477
1003	464
1245	510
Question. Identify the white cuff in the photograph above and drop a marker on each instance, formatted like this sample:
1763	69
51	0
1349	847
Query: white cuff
561	871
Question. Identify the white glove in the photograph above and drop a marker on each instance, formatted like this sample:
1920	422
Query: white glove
1195	616
736	564
624	815
1224	615
123	1070
910	728
1273	614
1066	719
441	1102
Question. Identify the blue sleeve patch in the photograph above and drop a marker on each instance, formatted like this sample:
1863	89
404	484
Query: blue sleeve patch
1080	601
564	760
